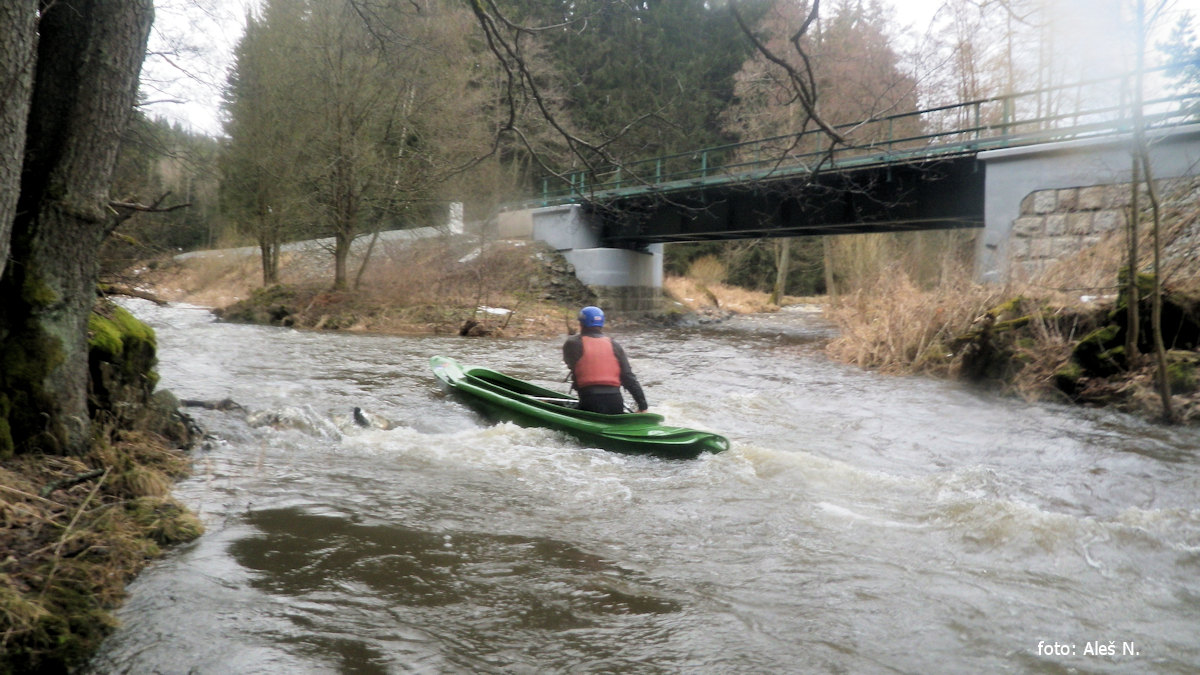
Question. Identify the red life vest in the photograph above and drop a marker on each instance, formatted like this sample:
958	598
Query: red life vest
599	365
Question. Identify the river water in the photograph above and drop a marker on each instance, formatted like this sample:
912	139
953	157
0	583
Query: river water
859	524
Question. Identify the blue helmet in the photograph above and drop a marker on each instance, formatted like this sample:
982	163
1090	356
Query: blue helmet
591	317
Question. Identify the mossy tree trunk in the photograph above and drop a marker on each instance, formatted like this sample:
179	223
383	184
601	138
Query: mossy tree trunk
86	73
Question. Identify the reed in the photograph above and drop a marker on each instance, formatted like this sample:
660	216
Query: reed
697	296
894	326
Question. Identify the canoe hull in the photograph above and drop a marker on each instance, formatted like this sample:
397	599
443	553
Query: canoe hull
506	398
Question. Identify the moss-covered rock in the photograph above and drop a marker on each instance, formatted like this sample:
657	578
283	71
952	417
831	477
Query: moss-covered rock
1067	378
1183	371
122	353
1101	353
1180	315
273	306
1145	286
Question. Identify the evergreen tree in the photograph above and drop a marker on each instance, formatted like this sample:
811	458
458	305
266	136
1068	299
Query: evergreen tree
649	78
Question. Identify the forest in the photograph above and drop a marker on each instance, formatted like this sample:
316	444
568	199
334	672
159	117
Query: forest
343	119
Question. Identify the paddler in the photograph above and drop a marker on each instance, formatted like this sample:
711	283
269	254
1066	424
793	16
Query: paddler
599	367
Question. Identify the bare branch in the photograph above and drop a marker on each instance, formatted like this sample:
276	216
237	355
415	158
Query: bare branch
804	84
123	211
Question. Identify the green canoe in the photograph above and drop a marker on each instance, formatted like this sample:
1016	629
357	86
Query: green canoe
507	398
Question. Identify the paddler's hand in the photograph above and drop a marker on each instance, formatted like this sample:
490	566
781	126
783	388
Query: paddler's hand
643	410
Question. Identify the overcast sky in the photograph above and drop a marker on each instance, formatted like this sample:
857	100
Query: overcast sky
192	43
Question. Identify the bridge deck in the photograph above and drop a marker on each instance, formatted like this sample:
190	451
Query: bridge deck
901	172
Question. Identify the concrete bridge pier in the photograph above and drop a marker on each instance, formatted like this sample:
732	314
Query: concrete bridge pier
623	280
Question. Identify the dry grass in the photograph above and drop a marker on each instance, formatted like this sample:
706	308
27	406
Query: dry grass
697	296
894	326
1094	270
431	272
210	281
73	531
707	270
426	286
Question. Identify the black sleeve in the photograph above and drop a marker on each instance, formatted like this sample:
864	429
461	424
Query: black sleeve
572	352
628	379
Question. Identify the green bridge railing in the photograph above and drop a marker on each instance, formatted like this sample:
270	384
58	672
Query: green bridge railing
1102	107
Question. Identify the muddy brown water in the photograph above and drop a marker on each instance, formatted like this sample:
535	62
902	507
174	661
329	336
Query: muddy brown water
859	524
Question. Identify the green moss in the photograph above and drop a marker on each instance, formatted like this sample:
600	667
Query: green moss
114	330
1066	378
26	359
35	293
131	327
1010	308
1070	370
1182	367
30	357
164	520
122	353
1011	324
104	337
1101	336
1145	286
1101	352
1112	360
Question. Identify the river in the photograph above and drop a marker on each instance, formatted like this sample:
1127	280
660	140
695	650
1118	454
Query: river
859	523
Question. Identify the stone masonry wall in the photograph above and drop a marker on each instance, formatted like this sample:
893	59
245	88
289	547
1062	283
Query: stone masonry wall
1057	223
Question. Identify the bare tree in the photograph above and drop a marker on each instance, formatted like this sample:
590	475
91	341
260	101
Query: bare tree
1141	161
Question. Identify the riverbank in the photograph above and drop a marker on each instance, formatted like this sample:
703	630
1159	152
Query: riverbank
75	529
1031	339
1024	341
433	287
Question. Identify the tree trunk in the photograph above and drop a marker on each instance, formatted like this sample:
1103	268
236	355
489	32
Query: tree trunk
782	258
18	49
1131	334
88	59
827	256
341	254
1160	349
269	252
362	268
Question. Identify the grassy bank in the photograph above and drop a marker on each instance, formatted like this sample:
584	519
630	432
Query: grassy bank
1023	340
424	287
75	529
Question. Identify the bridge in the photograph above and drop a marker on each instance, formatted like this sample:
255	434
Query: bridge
966	165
